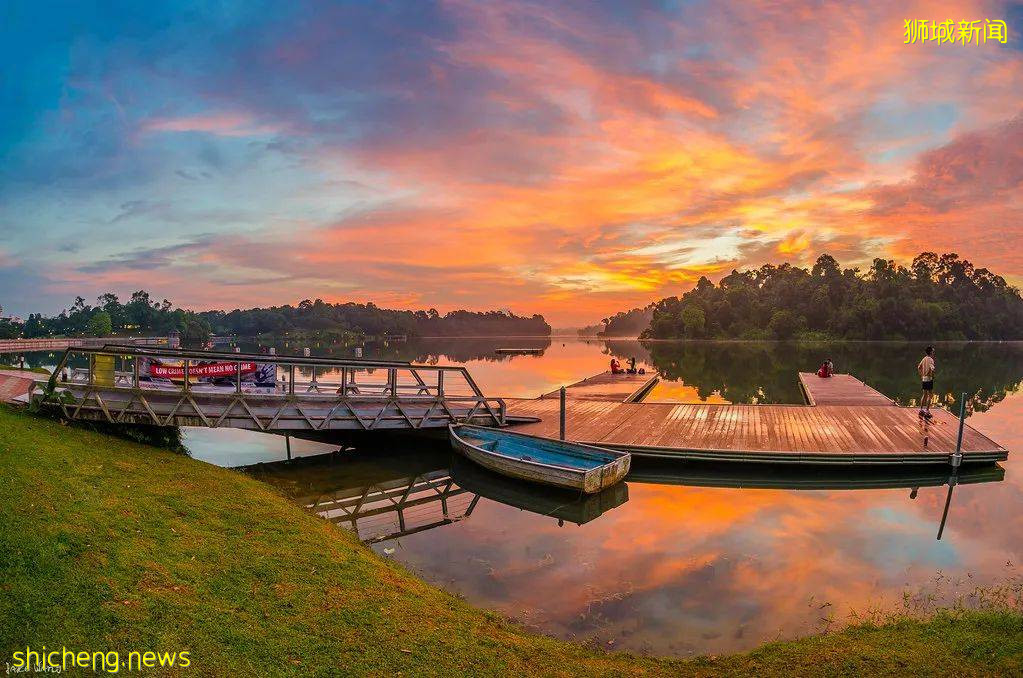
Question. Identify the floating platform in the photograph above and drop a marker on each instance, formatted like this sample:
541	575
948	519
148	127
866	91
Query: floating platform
606	386
839	389
787	434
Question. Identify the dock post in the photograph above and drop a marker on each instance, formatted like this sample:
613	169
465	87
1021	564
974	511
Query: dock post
957	458
287	444
562	394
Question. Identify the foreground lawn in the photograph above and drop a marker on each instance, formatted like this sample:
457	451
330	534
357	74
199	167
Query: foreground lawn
107	544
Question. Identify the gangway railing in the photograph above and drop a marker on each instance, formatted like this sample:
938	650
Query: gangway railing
396	508
118	383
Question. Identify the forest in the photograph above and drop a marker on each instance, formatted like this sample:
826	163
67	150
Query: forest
935	298
142	316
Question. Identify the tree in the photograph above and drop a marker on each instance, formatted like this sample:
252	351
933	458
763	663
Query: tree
100	324
784	324
9	330
693	321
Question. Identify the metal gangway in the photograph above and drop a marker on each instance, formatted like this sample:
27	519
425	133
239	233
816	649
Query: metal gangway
115	384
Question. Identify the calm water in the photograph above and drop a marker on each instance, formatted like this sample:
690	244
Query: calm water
683	558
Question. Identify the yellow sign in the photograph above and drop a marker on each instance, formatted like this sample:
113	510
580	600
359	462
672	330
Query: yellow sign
949	31
103	370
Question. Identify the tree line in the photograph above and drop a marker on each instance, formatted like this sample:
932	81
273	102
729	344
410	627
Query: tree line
935	298
143	316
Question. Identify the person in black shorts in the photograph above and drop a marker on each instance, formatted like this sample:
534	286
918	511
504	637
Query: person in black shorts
926	371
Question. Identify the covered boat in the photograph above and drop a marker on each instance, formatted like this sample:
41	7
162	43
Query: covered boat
560	463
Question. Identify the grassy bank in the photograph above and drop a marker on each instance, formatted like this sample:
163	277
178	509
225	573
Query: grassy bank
107	544
34	370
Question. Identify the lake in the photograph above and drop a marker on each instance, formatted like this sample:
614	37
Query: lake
684	558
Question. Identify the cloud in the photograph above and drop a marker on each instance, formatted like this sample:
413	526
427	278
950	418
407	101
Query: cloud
571	159
217	124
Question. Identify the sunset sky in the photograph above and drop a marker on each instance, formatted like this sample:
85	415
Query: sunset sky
570	159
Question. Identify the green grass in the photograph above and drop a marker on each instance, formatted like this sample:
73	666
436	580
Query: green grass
106	544
37	370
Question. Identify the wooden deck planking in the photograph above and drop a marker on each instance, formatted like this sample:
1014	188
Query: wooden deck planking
607	387
840	389
16	383
853	434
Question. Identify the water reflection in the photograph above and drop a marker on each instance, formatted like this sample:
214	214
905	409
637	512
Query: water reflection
680	558
387	496
765	372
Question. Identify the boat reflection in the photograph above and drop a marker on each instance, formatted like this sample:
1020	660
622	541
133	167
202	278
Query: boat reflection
565	505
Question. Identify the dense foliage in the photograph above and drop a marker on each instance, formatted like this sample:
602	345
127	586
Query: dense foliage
369	319
142	316
139	316
936	298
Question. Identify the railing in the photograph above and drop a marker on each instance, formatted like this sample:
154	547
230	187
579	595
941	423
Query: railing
344	390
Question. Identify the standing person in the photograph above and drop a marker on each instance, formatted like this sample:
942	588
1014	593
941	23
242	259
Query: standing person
926	371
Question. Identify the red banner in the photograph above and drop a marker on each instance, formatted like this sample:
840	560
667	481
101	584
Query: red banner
195	371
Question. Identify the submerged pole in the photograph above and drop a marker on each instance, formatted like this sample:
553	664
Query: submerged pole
957	458
562	394
948	502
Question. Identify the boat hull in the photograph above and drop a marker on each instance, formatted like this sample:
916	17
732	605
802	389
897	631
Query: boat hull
588	481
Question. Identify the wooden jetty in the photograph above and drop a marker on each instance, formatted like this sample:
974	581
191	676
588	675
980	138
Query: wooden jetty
839	389
608	387
848	423
865	428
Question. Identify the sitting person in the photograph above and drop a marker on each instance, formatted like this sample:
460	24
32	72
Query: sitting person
616	367
825	370
632	366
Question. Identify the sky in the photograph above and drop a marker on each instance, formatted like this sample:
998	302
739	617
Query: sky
572	159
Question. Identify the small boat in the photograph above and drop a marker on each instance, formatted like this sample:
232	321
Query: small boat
541	460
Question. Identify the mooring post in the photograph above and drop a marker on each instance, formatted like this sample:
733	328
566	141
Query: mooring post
287	443
562	394
957	458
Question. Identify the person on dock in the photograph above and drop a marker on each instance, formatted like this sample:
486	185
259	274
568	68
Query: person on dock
616	367
826	369
925	368
632	366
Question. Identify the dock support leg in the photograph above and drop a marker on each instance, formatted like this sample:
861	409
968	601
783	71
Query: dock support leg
957	458
562	428
287	444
